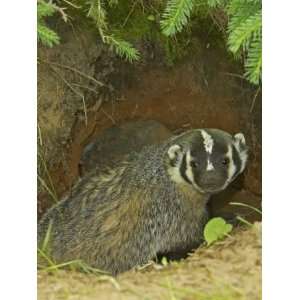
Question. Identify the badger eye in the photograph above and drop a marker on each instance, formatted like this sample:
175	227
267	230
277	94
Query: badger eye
193	164
225	161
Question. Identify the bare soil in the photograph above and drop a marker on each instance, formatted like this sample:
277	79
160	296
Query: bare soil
228	270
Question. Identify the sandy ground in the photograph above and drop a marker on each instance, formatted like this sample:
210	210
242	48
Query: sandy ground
228	270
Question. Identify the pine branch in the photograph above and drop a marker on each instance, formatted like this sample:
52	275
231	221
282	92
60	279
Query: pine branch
45	9
245	30
112	3
123	48
215	3
241	36
253	64
240	10
176	16
97	13
47	36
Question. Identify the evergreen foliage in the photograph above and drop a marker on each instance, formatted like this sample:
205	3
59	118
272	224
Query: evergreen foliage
96	11
215	3
122	48
176	16
245	35
244	28
45	35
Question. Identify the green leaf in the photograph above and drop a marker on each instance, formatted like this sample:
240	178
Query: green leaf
216	229
164	261
151	18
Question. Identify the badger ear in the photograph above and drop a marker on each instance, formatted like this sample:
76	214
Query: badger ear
240	141
240	144
175	152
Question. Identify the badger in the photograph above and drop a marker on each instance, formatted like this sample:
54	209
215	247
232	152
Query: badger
152	202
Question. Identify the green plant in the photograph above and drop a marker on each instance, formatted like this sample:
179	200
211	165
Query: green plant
118	22
43	174
45	35
243	220
245	35
47	264
216	229
244	28
176	16
97	12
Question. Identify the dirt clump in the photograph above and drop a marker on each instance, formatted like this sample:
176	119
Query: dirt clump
230	269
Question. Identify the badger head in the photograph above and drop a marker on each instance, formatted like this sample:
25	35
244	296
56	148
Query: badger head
207	159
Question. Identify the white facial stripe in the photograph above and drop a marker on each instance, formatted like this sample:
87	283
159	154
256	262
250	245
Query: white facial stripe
175	175
210	166
208	141
243	157
174	172
231	165
189	171
243	154
240	138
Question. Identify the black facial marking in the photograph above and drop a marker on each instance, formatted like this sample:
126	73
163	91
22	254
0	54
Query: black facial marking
225	161
194	164
236	160
183	168
197	148
173	162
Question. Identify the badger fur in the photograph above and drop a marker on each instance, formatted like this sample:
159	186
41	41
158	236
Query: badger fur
152	202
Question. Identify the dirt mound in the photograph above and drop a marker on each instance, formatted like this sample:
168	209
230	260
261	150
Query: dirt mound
229	270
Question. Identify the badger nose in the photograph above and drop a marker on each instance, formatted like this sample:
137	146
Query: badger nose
209	176
211	179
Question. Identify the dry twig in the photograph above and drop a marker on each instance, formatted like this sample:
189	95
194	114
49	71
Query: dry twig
101	84
73	90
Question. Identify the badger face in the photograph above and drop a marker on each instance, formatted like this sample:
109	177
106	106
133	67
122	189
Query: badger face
207	159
